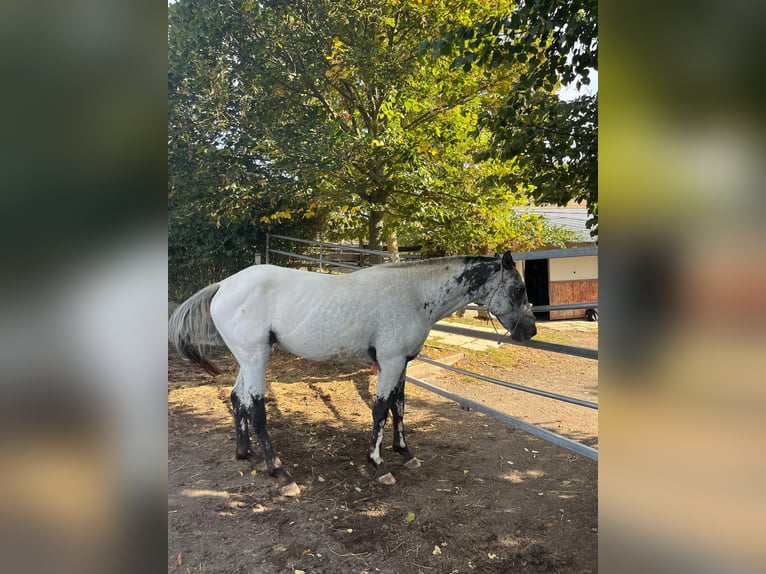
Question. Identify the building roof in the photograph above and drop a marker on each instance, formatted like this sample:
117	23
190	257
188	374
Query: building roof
572	218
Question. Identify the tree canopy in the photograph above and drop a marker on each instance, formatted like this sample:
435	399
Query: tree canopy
317	114
553	142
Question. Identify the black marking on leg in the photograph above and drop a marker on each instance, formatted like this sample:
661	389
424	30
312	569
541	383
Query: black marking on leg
274	467
241	414
379	415
397	414
259	427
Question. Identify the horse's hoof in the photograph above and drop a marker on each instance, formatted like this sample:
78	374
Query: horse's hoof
387	479
291	489
413	463
242	455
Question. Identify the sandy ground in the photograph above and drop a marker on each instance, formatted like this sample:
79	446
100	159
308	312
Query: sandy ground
488	498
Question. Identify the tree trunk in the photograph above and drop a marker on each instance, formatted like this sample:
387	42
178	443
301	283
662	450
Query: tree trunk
376	235
393	245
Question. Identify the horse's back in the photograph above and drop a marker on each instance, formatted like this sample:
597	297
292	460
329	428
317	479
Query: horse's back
262	302
313	315
258	285
269	278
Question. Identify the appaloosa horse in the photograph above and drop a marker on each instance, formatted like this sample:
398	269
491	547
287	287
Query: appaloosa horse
380	315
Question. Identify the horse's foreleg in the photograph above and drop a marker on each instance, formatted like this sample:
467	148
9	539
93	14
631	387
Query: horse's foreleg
380	410
391	372
397	413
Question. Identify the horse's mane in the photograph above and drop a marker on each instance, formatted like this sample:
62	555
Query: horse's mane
436	261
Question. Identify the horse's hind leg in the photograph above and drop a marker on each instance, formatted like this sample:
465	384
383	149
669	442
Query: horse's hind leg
252	400
241	416
286	483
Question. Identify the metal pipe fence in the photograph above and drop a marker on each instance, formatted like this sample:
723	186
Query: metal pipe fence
545	434
541	308
323	249
567	443
541	345
539	392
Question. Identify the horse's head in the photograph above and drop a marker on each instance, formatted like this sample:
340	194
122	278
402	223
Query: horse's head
508	301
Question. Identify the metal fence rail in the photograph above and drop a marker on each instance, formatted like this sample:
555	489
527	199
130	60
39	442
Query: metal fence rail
319	260
533	391
545	434
540	308
541	345
564	307
324	247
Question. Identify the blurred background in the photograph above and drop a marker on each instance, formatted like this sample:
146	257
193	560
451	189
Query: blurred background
83	315
683	287
84	289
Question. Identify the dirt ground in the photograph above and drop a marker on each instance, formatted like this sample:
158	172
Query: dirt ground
487	499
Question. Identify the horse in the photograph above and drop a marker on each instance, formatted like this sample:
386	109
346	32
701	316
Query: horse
379	315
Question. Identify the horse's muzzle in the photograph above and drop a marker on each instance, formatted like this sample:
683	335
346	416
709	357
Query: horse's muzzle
525	329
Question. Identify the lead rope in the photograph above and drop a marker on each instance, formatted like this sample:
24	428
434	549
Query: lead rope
499	336
489	313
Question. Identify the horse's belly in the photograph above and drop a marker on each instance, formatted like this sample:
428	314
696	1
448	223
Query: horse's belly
327	332
318	352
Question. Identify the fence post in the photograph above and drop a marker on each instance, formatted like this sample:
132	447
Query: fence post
267	249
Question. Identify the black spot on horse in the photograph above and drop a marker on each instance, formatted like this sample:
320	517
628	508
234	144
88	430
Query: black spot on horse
273	338
372	353
476	273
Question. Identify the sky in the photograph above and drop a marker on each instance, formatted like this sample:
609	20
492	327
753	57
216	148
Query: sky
569	92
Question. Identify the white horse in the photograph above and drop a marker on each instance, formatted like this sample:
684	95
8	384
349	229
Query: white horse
380	315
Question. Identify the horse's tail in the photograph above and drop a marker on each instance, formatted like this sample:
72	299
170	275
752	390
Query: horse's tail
192	331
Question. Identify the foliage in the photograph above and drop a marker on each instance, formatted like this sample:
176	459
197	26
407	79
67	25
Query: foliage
554	143
223	195
298	116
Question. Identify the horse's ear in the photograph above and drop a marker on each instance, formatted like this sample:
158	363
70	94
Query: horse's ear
508	261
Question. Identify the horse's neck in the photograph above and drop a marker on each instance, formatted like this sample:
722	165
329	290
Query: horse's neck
444	292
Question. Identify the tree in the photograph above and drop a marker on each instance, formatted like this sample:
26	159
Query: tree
554	143
223	194
324	111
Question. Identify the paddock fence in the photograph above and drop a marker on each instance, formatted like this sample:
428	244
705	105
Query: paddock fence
326	257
